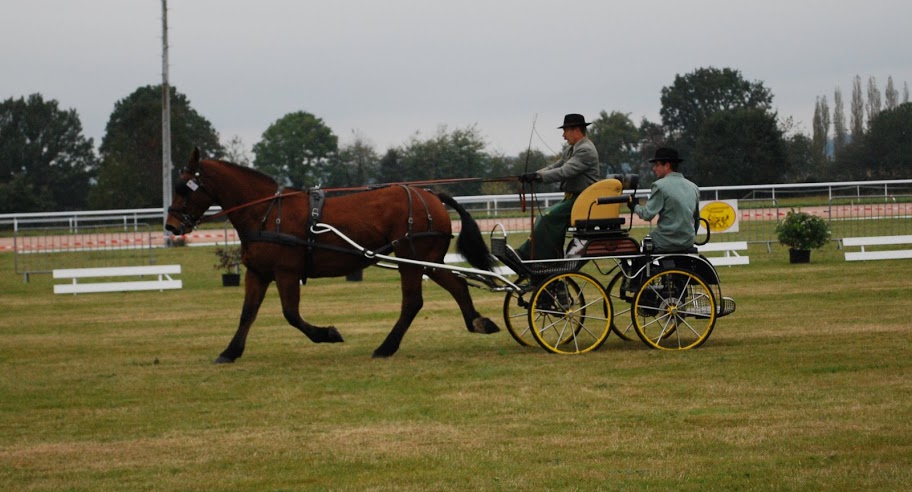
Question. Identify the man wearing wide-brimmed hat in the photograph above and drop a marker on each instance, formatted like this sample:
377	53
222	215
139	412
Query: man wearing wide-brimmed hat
577	168
675	200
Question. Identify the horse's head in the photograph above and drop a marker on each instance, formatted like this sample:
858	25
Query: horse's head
191	198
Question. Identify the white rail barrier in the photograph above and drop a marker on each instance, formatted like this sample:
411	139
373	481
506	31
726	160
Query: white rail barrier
730	250
162	282
862	242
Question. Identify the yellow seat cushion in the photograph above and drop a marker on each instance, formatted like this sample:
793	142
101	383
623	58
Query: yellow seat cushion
585	207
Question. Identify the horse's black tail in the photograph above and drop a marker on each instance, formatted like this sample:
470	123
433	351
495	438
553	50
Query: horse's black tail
469	242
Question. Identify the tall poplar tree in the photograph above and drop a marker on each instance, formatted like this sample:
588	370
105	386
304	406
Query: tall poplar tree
821	128
891	95
857	114
839	124
873	105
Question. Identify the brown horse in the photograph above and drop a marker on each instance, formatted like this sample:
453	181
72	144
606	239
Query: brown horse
279	245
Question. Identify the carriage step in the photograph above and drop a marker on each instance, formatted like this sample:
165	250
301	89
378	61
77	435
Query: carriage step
723	308
726	307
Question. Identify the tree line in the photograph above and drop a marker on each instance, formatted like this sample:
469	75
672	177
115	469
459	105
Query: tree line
725	127
874	143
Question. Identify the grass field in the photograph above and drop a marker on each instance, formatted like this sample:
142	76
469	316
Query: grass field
808	386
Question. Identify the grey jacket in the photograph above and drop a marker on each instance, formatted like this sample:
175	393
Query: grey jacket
676	201
577	168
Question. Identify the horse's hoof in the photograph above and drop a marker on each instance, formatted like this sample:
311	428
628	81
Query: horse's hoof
380	355
223	360
484	325
330	335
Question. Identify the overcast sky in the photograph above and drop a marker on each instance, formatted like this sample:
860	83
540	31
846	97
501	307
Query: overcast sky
386	69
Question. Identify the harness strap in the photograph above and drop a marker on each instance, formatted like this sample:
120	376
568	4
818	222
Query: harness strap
277	198
427	211
409	235
316	198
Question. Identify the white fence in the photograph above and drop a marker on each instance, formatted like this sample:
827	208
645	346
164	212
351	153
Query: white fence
853	209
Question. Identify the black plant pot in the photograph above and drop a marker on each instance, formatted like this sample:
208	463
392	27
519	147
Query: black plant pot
799	255
231	279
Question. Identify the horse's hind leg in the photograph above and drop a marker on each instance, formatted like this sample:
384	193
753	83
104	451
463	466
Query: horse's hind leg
290	295
412	301
457	287
254	291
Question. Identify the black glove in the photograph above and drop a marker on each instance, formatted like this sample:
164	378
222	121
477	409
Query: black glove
530	178
631	202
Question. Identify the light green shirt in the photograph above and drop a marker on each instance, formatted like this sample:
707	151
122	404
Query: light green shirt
677	203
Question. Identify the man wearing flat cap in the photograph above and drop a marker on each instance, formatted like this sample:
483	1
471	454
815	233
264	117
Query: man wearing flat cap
675	200
577	168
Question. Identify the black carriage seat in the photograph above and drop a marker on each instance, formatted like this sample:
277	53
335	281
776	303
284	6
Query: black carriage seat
587	226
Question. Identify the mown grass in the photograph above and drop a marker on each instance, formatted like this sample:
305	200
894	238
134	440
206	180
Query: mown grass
806	387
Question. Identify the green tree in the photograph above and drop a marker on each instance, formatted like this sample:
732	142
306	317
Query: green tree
887	145
500	166
839	123
693	98
856	114
873	106
738	147
617	140
891	95
391	168
296	149
130	175
803	159
821	135
236	151
355	164
456	154
45	162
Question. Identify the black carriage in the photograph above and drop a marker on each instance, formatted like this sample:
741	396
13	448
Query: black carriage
669	301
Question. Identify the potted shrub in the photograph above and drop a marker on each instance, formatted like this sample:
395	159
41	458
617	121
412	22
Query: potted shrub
229	262
802	232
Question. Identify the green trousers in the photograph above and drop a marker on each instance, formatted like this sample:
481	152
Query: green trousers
549	232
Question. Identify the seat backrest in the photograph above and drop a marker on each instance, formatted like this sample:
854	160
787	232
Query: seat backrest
585	208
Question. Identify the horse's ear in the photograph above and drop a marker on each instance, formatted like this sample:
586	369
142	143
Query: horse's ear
194	159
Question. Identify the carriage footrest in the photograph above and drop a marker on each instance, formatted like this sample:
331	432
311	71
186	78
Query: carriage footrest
726	307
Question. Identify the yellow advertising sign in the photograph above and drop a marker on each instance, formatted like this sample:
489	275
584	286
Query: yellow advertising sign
722	215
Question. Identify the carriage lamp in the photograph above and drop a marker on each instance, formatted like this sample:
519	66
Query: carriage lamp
647	245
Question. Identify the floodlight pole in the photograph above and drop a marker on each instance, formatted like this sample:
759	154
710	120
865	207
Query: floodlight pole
166	125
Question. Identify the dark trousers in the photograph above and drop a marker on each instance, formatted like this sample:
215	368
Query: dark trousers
549	232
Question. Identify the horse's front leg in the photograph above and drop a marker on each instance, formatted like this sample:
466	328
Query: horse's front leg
475	322
290	294
254	291
412	302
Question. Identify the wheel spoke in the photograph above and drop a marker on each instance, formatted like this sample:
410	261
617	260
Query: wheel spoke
570	313
674	309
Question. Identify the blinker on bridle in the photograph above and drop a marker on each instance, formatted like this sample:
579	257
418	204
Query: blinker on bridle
184	189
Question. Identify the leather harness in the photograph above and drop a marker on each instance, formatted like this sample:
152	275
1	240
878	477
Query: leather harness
317	198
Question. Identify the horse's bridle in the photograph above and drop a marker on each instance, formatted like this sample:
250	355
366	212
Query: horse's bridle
185	188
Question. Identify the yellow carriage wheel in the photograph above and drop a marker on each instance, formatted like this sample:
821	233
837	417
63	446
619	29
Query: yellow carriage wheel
674	310
570	314
516	317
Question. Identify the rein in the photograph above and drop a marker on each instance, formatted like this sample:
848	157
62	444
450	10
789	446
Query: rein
278	195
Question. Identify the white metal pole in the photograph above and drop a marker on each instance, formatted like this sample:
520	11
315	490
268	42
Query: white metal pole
166	124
